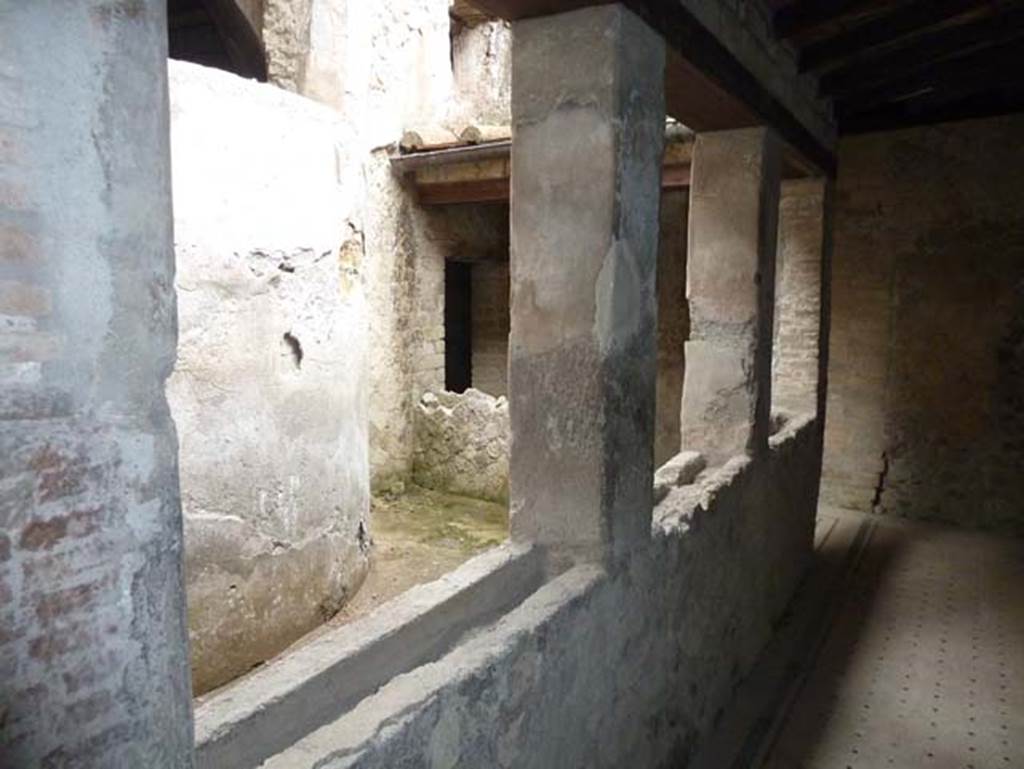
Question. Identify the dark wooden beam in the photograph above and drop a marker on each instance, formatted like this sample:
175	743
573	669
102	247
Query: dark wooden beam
700	56
912	19
956	77
242	42
469	191
806	15
923	52
525	9
906	115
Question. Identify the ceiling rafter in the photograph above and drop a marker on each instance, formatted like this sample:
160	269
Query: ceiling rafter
923	52
803	16
904	21
957	77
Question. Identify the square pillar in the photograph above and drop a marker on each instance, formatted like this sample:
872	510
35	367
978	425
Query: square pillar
588	120
93	639
730	285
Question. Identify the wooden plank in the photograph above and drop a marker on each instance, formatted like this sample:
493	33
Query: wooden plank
479	191
959	77
1000	102
911	19
924	51
406	163
490	168
702	58
525	9
242	42
807	15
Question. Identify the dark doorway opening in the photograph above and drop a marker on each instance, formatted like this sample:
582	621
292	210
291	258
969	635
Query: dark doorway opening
458	341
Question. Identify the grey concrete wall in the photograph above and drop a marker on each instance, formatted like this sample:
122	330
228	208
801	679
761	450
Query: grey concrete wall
925	415
628	668
270	389
93	649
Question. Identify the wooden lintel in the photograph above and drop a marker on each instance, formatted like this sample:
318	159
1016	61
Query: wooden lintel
470	191
904	21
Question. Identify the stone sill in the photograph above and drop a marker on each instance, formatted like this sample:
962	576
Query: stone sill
265	713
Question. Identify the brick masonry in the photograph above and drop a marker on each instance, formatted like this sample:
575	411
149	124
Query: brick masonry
925	410
93	652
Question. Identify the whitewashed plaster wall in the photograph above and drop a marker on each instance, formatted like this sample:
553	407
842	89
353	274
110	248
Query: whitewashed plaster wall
270	388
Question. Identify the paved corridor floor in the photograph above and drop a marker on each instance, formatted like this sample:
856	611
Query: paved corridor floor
904	648
923	662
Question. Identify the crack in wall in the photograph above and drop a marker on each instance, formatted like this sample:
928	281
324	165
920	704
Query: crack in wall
876	500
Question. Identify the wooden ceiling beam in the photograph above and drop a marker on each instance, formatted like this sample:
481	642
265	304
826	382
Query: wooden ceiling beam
954	78
706	87
924	52
243	43
1001	101
807	15
912	19
525	9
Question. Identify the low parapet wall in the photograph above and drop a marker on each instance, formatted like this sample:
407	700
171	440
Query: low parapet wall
627	666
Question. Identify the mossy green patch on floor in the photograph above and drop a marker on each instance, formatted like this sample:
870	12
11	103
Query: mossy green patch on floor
418	536
436	519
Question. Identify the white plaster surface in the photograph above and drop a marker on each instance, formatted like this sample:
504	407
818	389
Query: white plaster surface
269	392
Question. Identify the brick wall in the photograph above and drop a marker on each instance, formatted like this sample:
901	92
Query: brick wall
490	318
798	296
92	624
925	410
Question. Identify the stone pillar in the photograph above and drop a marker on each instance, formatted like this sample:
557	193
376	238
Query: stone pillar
734	202
93	649
588	132
798	309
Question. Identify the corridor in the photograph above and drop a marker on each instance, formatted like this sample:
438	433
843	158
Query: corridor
924	661
904	648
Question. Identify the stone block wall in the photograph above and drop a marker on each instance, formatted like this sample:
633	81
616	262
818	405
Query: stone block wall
270	389
925	408
462	444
